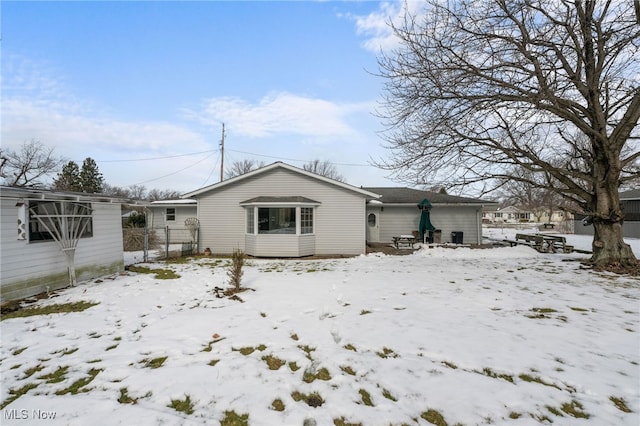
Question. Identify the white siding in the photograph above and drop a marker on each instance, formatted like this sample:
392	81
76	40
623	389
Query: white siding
28	268
339	219
306	245
177	230
400	220
158	216
268	245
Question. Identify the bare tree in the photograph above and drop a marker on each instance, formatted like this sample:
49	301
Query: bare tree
29	165
518	191
241	167
162	194
479	88
116	191
137	192
323	168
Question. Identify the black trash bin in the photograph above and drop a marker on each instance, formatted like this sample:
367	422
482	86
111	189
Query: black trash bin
456	237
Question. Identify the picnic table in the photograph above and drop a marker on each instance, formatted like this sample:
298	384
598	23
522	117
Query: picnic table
404	241
544	243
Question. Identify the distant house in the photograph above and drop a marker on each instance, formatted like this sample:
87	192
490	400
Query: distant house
282	211
630	201
512	214
32	262
509	214
396	213
167	217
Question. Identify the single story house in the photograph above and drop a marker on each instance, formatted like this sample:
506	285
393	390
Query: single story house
282	211
32	261
512	214
508	214
395	212
167	218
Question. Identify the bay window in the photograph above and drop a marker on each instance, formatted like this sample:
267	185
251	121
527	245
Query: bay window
280	226
279	215
276	220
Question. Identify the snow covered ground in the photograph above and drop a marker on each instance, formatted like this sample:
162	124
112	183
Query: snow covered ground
486	336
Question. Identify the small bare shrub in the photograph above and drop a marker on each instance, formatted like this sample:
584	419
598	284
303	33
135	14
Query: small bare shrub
235	271
133	239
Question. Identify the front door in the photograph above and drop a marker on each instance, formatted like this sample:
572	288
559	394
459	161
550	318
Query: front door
373	226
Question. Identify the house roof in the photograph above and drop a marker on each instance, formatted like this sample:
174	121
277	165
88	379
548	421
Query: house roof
634	194
48	195
395	195
181	202
277	200
275	166
506	209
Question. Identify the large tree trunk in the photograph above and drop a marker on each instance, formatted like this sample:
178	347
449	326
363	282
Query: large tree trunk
609	248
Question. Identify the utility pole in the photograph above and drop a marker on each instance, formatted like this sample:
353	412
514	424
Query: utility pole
222	155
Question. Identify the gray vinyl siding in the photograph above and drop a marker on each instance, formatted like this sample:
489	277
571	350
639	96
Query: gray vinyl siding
629	229
28	268
401	220
339	221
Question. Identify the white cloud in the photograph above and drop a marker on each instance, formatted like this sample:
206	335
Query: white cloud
375	26
281	114
54	124
23	77
38	105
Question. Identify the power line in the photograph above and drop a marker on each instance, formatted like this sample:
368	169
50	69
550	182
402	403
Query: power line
213	169
211	152
297	160
156	158
227	149
177	171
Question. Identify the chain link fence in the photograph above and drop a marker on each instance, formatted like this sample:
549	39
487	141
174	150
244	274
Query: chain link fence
169	241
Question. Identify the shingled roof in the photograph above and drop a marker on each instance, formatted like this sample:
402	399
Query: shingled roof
634	194
395	195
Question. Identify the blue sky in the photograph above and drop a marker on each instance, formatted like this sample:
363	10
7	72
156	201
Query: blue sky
124	81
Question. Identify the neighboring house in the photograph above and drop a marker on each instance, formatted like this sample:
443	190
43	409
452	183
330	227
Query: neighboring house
509	214
396	213
282	211
31	262
168	217
513	214
630	201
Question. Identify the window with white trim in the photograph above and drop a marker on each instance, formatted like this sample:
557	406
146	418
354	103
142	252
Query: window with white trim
306	220
171	214
250	220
